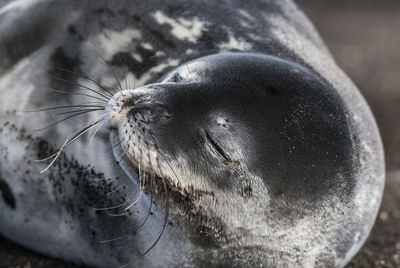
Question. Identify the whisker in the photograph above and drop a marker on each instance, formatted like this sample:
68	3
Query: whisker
45	159
86	77
123	151
108	66
112	70
106	98
99	126
126	264
126	81
152	179
173	171
150	207
79	94
113	191
119	215
111	240
113	146
140	183
62	120
51	156
94	102
114	177
113	207
166	209
119	158
77	111
95	132
69	141
134	83
61	107
123	61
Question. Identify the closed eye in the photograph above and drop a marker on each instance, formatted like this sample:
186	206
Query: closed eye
216	146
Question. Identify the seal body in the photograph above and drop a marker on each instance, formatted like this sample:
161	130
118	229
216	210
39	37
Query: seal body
268	153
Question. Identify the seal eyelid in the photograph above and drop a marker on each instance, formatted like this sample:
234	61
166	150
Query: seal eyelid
216	146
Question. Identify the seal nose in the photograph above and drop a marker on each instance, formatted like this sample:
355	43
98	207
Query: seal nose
141	112
115	107
133	103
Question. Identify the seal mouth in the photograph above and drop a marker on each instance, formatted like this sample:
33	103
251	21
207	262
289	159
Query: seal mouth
149	177
132	136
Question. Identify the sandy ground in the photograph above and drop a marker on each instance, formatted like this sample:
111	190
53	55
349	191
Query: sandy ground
363	36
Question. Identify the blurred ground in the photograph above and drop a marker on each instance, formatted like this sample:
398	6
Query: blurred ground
363	36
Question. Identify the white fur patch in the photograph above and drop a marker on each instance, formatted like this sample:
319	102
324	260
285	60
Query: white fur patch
111	42
182	29
137	57
235	44
147	46
106	45
140	81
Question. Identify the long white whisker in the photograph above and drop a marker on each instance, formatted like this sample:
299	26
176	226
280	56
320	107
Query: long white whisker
108	178
97	129
141	190
113	207
113	191
69	141
113	239
119	215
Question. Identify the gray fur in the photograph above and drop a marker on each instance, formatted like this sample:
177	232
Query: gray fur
52	212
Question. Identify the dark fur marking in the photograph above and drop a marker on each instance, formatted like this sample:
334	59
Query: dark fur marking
71	29
7	195
60	59
149	60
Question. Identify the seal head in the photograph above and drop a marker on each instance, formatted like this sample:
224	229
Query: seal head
225	116
258	140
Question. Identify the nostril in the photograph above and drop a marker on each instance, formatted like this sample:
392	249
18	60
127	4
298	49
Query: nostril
128	103
139	108
133	105
132	99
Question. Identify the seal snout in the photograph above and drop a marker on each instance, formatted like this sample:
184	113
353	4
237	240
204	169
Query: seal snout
115	106
127	103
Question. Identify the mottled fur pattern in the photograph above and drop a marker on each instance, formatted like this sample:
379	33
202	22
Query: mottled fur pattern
64	213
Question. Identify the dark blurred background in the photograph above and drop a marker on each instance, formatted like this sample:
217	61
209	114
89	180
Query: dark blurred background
364	38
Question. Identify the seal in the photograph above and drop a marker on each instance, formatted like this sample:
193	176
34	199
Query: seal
240	143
